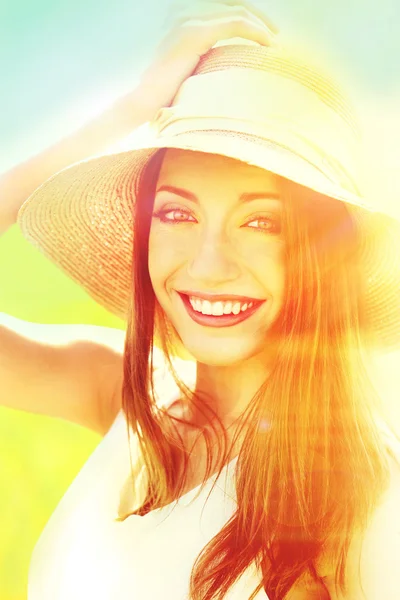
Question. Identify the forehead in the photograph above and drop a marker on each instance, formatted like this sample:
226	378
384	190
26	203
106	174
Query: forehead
199	169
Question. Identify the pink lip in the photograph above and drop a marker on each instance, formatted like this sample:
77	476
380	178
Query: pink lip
221	321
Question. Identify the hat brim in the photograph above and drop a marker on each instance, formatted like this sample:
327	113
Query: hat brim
81	218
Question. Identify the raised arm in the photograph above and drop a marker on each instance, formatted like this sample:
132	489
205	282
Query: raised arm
73	372
192	33
118	121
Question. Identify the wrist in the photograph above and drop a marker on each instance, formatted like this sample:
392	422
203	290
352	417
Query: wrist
139	106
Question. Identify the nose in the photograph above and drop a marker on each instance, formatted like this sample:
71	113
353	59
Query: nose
213	263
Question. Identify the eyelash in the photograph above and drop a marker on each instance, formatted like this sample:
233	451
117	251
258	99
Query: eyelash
161	216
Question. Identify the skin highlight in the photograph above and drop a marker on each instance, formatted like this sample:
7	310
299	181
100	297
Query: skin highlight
218	247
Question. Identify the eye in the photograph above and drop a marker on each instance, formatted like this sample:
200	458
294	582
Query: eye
162	215
273	224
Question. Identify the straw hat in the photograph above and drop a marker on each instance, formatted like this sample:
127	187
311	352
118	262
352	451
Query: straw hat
251	103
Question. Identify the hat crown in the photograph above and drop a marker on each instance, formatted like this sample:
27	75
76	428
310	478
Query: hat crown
277	60
277	100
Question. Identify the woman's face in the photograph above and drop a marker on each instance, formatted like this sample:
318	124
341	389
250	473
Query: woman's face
227	240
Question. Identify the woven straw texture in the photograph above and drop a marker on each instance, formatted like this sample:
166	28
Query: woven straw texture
81	218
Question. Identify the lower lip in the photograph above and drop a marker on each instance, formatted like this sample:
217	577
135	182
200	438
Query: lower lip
221	321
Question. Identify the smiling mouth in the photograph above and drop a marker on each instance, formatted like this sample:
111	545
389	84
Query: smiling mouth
219	320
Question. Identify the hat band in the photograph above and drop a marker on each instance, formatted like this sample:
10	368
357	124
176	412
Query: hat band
281	138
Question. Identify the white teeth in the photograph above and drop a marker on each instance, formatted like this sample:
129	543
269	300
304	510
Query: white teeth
218	308
236	308
206	308
228	308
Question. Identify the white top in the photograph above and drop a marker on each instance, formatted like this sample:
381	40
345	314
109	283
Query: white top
84	554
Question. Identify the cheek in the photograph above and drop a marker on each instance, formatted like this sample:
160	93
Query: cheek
165	255
271	269
272	274
269	260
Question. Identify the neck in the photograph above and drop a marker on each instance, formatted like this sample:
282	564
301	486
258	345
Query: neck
229	390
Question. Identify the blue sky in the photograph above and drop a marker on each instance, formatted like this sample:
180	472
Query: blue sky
63	61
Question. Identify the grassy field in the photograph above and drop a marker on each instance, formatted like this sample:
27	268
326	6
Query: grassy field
40	456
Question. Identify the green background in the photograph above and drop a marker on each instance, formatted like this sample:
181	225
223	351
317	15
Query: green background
63	62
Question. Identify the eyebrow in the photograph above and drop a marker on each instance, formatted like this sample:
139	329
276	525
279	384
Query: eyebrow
246	197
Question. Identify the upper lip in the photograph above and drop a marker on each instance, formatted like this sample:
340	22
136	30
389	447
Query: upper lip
220	297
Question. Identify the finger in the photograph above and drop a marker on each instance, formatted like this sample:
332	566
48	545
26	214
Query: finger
252	9
205	34
227	14
209	9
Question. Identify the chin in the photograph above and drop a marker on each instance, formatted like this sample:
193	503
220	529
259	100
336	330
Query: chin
220	353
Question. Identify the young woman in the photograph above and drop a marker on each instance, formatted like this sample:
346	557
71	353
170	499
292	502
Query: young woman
237	233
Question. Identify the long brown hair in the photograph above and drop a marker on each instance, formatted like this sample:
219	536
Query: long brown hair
312	449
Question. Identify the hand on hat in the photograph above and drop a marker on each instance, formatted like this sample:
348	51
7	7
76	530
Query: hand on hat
192	32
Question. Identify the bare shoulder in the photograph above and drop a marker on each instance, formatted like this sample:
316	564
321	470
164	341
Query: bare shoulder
72	372
107	350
